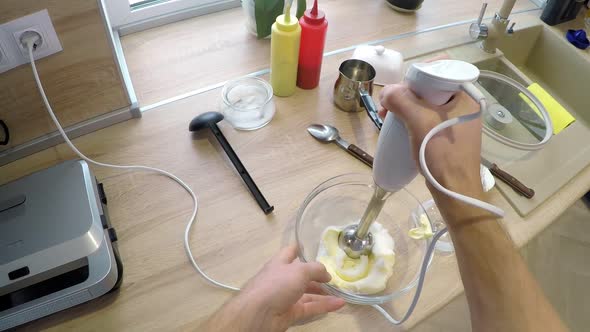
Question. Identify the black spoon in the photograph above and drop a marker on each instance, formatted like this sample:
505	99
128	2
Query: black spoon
209	120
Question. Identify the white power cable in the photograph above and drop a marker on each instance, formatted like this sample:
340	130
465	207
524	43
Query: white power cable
421	277
478	96
30	44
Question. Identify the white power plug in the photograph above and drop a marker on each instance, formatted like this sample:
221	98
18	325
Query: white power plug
31	37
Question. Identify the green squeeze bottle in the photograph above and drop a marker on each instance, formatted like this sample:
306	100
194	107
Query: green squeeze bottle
284	53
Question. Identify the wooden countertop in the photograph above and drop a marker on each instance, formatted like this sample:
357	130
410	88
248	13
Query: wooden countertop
161	291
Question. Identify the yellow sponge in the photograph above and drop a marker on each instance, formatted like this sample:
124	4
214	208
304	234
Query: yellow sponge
559	116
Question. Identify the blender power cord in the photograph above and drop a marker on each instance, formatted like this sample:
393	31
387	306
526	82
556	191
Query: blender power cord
421	276
474	93
30	43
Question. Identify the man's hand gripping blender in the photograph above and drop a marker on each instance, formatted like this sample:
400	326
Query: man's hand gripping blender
436	83
394	166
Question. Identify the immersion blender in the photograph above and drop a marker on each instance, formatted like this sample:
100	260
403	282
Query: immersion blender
394	168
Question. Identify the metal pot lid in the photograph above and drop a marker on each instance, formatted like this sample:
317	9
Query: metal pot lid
514	116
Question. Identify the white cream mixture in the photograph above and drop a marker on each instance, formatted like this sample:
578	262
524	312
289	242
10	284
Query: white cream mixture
365	275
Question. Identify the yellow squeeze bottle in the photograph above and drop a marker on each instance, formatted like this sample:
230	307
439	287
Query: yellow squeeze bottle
284	53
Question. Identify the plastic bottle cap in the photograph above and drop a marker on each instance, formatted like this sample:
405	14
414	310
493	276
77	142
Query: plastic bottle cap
379	49
287	25
313	15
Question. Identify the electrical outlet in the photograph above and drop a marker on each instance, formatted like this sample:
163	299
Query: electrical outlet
42	48
11	32
6	58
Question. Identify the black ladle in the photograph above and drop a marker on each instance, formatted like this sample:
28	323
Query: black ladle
209	120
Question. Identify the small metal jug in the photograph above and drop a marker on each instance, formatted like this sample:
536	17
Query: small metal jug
353	89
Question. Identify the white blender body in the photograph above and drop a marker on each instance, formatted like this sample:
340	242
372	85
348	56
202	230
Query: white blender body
435	82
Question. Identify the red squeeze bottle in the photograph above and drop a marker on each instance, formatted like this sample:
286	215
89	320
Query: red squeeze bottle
311	52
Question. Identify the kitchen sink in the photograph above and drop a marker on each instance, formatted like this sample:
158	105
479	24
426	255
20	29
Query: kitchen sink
541	54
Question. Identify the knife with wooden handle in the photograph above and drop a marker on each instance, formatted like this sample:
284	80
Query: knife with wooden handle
355	151
360	154
510	180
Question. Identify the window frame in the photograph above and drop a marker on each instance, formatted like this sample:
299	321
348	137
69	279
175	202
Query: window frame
121	14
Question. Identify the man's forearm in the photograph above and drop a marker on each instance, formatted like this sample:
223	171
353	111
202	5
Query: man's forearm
502	294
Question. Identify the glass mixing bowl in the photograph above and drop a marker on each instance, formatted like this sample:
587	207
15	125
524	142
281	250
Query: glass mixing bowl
341	201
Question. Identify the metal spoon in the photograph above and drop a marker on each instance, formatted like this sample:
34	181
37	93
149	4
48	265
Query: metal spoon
329	134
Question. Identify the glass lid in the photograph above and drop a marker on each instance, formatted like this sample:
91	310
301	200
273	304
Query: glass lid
514	116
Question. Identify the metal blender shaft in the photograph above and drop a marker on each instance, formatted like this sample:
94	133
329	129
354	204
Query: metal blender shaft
372	212
356	240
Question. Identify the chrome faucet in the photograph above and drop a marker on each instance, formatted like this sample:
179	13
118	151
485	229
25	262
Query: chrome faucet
479	30
499	26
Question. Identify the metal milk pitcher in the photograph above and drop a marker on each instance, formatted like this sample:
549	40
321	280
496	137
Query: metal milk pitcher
353	89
